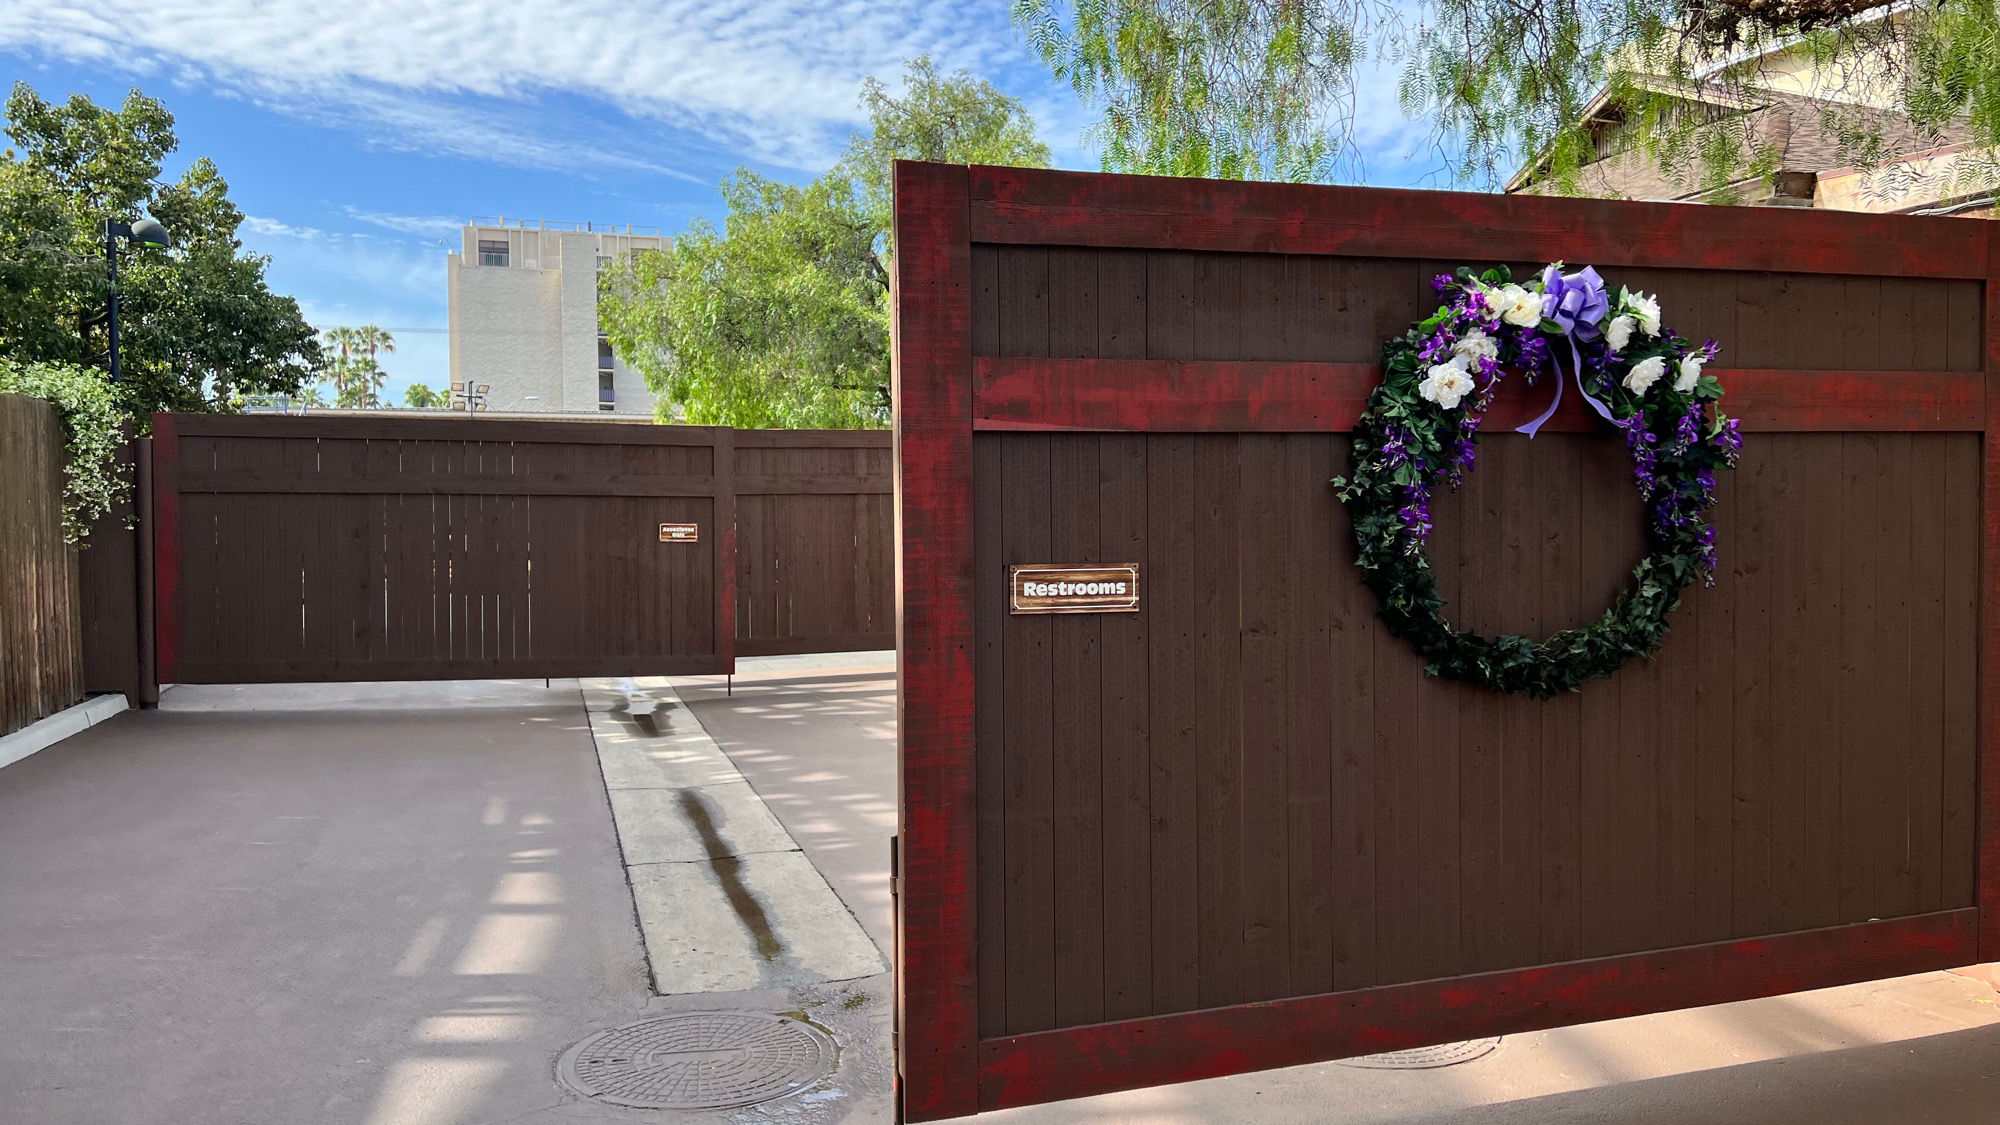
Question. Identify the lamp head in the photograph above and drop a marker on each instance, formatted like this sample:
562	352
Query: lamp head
149	232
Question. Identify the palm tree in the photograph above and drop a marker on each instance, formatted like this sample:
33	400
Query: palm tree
376	339
351	364
421	397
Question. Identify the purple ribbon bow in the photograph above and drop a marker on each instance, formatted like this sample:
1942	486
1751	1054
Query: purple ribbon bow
1576	302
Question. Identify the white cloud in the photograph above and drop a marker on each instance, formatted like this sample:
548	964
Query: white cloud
773	81
306	259
424	226
258	227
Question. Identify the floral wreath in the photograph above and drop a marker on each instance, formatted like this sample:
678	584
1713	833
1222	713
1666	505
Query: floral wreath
1421	427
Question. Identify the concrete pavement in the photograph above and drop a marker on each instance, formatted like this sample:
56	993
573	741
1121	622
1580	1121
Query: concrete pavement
387	904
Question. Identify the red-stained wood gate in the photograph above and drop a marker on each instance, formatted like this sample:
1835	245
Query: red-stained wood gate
1240	828
340	547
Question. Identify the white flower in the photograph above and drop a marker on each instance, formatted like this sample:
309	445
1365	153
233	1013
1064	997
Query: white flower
1645	373
1647	309
1520	306
1690	371
1475	345
1619	332
1446	384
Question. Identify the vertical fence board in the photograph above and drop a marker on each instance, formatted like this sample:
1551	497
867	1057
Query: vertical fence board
1125	736
41	643
1174	778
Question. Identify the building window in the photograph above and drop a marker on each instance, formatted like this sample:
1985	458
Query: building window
492	251
605	360
607	396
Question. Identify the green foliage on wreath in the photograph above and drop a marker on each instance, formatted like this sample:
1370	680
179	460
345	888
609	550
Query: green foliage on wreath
1684	454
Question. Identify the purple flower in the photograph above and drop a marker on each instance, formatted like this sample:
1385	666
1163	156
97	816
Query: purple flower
1534	354
1644	459
1416	516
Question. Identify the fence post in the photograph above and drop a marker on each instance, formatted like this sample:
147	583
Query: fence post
142	488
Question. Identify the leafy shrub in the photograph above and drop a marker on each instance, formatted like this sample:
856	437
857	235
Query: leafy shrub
92	431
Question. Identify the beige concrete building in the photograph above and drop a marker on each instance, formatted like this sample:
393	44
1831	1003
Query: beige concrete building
523	298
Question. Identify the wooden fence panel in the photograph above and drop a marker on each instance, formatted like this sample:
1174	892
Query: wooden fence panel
1241	827
314	548
815	570
41	649
112	574
335	548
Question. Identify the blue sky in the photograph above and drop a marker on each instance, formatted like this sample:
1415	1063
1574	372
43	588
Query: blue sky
357	136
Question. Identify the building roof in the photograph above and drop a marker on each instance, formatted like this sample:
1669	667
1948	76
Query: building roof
1804	131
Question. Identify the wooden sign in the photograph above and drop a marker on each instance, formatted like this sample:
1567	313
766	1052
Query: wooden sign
680	533
1054	588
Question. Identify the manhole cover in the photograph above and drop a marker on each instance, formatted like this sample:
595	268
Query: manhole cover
1427	1058
698	1060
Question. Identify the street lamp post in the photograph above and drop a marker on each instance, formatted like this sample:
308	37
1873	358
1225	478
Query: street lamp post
145	232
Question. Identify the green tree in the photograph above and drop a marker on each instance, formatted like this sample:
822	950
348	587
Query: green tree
419	396
351	367
780	317
953	119
1264	89
776	320
199	327
1236	89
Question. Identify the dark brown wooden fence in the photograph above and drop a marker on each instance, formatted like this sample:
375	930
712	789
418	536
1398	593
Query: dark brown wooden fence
114	590
1241	827
343	548
41	655
815	570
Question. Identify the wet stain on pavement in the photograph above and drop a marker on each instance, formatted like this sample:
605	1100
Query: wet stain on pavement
729	875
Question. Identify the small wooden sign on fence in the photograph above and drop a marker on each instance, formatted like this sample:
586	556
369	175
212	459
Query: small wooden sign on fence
1057	588
680	533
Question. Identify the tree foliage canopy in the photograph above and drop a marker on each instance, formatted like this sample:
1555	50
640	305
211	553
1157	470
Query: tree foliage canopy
949	118
775	320
350	364
779	318
199	328
420	396
1266	89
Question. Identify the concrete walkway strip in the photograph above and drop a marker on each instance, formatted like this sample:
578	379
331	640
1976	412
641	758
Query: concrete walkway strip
44	733
726	900
696	822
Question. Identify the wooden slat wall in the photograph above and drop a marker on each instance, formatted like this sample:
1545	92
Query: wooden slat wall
1250	791
108	584
343	548
41	652
815	569
364	549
